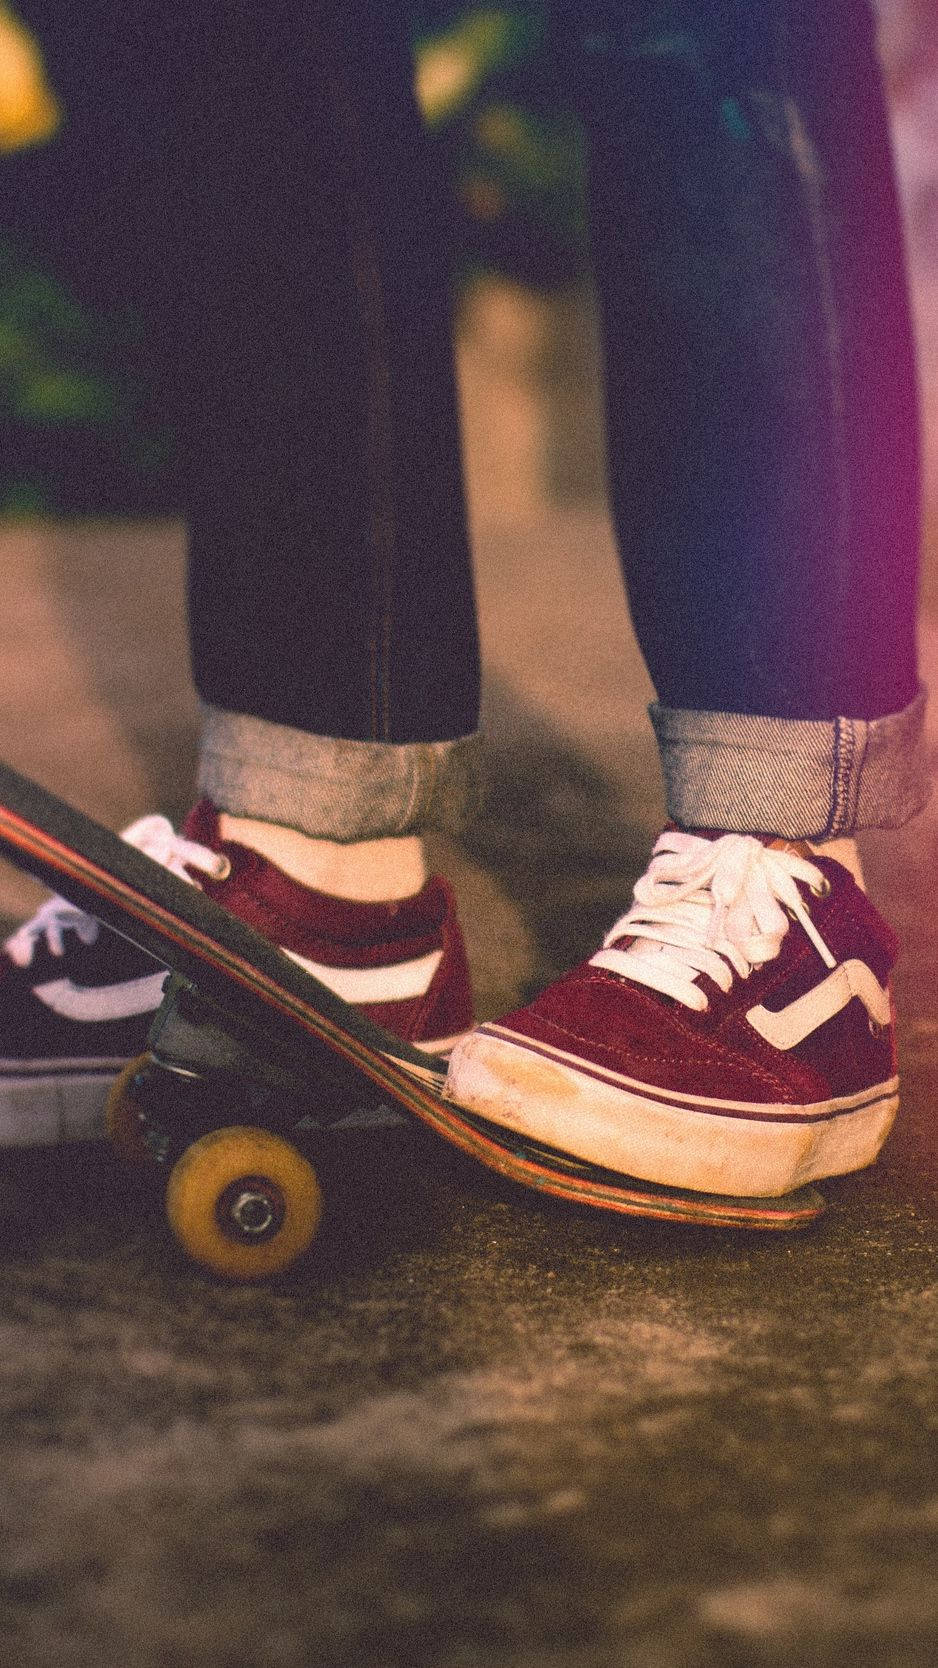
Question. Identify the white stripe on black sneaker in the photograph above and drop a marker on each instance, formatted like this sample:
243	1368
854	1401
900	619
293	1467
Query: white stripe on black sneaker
99	1003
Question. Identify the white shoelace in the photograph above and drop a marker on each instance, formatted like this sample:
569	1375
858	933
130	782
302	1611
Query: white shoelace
153	835
718	907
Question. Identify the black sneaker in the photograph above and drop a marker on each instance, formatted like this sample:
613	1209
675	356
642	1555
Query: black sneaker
76	1000
76	1003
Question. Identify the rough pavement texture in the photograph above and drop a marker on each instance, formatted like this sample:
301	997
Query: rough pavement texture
474	1428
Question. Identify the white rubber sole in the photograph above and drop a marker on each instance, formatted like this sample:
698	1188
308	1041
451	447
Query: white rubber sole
442	1046
710	1146
50	1102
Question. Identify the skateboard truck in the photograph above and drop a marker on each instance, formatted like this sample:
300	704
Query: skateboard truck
210	1104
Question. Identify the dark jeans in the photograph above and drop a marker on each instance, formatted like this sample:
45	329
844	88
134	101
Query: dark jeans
255	176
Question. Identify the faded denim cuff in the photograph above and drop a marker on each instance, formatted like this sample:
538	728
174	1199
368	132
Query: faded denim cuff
804	778
335	789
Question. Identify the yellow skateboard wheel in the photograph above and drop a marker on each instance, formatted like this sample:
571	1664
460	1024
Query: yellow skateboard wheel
122	1118
243	1202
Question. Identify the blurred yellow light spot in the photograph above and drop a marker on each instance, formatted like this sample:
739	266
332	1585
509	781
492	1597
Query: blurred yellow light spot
451	66
444	78
29	112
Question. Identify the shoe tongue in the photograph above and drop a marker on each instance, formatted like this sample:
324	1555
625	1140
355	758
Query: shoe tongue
775	842
799	848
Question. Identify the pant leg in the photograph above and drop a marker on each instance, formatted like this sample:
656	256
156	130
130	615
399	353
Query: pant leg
331	587
257	178
762	401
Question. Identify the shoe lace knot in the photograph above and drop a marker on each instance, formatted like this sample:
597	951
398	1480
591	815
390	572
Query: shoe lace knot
715	907
153	835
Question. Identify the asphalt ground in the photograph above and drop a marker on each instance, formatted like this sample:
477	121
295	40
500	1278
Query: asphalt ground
473	1427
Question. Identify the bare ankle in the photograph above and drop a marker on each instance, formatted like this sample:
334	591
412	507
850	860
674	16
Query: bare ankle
369	871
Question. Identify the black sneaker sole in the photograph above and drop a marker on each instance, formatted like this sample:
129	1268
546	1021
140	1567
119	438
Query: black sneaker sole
44	1103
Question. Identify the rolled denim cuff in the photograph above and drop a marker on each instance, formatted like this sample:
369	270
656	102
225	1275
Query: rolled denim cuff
804	778
335	789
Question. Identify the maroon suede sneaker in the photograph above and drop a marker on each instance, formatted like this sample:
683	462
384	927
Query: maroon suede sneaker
402	963
727	1037
76	1000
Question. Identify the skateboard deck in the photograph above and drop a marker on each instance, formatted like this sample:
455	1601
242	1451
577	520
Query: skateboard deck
332	1048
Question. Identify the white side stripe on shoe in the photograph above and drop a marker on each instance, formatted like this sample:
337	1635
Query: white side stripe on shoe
376	984
787	1027
100	1003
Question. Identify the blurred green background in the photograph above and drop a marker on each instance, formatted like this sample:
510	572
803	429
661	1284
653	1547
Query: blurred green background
78	429
76	432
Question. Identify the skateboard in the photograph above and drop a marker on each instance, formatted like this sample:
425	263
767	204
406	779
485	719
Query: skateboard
247	1046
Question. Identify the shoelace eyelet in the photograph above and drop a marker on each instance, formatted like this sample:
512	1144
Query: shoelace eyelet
822	889
224	867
